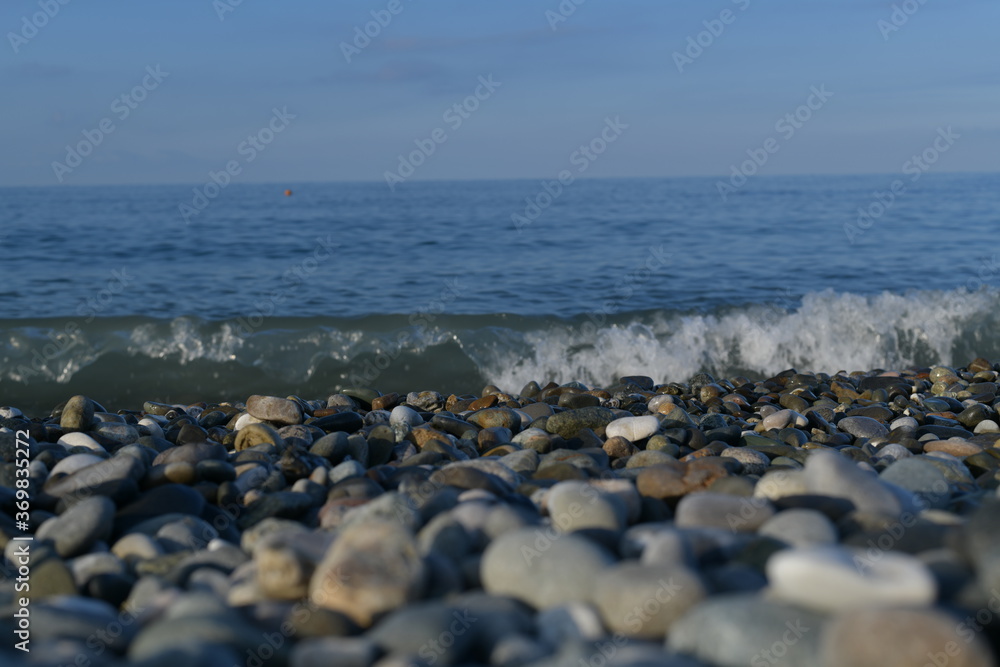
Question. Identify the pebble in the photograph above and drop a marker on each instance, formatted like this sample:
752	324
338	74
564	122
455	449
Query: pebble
800	528
542	567
881	637
76	530
833	578
831	474
706	509
634	429
643	601
274	409
370	569
863	427
738	630
577	506
805	519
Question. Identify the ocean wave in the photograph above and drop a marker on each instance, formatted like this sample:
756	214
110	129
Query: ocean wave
188	358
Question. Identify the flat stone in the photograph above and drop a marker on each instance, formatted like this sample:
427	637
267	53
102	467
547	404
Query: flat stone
77	530
74	462
662	594
800	528
754	462
922	478
830	473
633	429
742	630
496	417
84	481
371	569
193	453
274	409
706	509
543	568
902	638
405	632
566	424
863	427
578	505
79	439
831	579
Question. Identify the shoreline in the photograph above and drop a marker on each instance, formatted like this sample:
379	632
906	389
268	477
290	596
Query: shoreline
633	523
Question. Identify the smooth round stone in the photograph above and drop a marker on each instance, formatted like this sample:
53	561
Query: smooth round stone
783	418
402	415
122	433
956	447
892	452
568	423
543	568
831	579
187	533
88	566
137	547
467	477
77	529
831	474
406	632
660	400
77	439
193	453
370	569
863	427
255	434
491	467
743	630
706	509
754	462
780	483
922	477
74	462
77	414
274	409
644	601
633	428
577	505
647	458
906	423
800	528
496	417
902	638
987	426
152	426
158	501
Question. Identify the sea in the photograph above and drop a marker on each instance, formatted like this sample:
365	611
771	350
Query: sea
179	293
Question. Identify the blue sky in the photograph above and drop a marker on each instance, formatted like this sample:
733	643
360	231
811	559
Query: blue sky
558	83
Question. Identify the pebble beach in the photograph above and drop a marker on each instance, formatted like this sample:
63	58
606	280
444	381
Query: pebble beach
806	519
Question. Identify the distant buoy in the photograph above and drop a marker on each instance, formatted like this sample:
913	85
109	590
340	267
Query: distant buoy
288	193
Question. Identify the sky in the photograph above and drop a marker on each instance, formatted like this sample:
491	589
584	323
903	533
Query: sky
120	92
